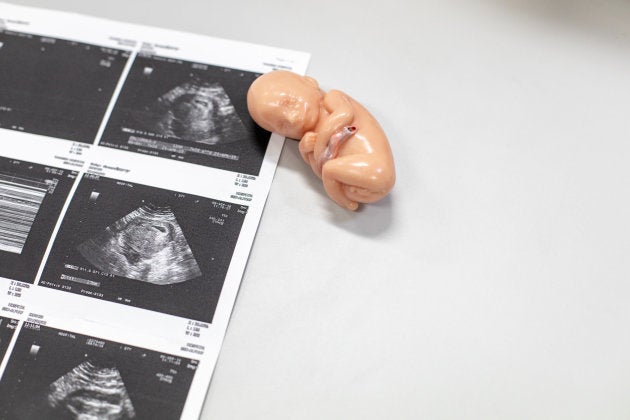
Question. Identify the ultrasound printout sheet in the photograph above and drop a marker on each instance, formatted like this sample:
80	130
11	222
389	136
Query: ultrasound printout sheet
132	181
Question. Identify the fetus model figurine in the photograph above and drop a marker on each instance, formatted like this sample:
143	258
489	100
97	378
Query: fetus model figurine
341	141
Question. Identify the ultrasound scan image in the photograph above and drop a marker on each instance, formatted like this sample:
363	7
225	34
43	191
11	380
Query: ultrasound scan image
143	246
54	375
20	201
91	390
195	111
192	112
54	87
146	245
31	199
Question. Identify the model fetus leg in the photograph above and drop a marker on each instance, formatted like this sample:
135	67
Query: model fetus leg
348	181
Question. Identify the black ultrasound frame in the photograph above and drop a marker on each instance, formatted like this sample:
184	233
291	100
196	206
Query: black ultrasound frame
23	267
211	244
55	87
26	379
140	91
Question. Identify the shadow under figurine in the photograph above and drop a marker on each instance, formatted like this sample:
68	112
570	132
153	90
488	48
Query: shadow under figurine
341	141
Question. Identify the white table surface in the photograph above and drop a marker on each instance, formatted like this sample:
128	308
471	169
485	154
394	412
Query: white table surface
494	282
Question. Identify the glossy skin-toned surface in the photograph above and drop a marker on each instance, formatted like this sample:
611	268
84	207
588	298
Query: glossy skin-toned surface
355	166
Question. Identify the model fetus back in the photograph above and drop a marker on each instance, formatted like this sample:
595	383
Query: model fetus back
341	141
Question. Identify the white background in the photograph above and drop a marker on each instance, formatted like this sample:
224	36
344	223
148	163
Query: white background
494	282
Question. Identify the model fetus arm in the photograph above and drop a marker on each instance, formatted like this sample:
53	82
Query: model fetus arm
339	115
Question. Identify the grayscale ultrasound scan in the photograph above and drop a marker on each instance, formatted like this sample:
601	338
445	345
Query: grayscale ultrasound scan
55	87
146	245
31	199
91	390
143	246
20	201
60	375
190	112
195	111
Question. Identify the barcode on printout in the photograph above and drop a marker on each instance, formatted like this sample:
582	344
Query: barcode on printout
20	200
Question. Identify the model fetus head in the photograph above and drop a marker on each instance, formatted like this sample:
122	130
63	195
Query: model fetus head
285	103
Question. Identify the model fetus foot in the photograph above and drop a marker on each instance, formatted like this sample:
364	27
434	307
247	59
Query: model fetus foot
341	141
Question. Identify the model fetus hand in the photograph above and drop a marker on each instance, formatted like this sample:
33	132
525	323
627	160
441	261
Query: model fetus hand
341	141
